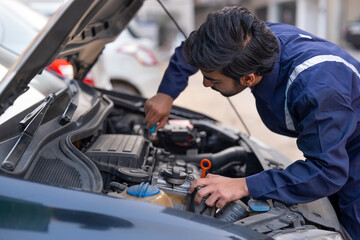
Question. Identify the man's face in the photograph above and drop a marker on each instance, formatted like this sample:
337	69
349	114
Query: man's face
221	83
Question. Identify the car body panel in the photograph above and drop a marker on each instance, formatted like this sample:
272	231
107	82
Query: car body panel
62	213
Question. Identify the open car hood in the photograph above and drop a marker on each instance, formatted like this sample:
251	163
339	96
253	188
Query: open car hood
77	32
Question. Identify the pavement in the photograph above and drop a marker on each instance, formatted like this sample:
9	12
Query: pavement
197	97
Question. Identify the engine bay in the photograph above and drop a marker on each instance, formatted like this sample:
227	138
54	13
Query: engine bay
106	148
169	159
160	167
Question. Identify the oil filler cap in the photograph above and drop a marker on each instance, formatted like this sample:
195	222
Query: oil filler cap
143	190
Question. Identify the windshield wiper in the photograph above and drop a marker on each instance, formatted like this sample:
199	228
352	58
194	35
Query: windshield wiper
72	105
33	121
69	111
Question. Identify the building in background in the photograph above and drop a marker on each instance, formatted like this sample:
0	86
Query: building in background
324	18
158	25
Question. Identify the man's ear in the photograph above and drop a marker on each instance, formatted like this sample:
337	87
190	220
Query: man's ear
250	80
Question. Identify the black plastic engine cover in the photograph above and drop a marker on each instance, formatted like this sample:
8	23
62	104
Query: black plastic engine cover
118	150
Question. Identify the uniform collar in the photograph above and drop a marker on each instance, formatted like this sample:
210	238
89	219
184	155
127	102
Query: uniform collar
266	87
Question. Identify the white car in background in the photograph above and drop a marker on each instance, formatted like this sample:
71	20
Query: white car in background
130	63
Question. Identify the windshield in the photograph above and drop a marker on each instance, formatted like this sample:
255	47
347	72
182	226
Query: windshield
25	14
3	71
18	25
40	87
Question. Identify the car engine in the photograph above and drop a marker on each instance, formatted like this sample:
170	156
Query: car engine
160	167
106	148
169	159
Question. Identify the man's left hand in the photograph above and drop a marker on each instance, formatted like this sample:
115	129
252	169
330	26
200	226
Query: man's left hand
221	189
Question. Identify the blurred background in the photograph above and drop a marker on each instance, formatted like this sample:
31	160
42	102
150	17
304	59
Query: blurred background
151	38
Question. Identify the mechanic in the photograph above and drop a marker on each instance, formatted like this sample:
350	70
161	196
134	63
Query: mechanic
304	86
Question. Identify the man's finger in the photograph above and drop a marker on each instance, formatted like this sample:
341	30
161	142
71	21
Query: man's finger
152	119
162	123
196	183
203	192
209	175
146	108
212	200
149	105
149	115
221	203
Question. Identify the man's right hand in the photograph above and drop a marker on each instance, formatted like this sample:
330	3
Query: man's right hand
157	110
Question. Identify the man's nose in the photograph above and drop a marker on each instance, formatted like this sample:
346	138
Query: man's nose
207	83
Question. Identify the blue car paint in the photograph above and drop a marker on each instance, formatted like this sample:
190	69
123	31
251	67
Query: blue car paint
31	210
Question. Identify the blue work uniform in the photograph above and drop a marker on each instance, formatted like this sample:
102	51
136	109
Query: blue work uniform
312	93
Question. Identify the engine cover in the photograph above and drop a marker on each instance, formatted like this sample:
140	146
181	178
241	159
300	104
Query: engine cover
118	150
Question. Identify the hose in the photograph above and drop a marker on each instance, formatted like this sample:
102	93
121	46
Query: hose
219	159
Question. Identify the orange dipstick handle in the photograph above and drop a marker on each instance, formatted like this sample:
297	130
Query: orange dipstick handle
205	168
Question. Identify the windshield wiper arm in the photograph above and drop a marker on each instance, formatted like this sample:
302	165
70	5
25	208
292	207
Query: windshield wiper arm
72	105
34	118
69	111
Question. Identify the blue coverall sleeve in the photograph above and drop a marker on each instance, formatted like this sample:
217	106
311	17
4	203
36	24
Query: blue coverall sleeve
176	76
325	120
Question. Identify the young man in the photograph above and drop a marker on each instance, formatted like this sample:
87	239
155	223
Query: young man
304	87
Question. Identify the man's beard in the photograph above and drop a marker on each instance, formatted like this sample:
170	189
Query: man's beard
225	94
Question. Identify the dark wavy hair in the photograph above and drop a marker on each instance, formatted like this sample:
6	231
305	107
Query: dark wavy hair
234	41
